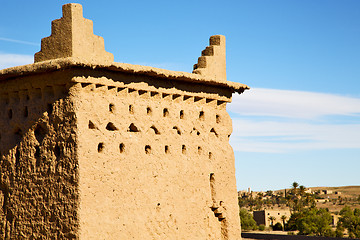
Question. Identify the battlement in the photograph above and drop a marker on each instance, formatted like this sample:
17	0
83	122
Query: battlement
72	43
72	36
212	62
74	62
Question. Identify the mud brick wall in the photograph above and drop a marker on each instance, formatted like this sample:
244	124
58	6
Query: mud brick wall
38	163
149	158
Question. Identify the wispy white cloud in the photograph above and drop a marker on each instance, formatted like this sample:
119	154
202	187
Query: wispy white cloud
271	136
289	121
18	41
12	60
293	104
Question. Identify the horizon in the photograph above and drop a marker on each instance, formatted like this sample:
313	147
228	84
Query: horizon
300	120
300	185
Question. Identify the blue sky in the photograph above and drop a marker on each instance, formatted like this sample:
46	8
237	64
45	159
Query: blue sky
301	119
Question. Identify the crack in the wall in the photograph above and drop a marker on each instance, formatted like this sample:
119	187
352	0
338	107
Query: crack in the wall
218	208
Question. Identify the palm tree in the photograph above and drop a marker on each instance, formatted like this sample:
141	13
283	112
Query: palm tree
295	185
302	190
283	218
258	201
272	219
269	193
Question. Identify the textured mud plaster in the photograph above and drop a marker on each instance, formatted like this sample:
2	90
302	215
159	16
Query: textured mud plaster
92	149
38	176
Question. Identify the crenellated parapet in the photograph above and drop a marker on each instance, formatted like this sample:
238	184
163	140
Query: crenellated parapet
212	62
72	36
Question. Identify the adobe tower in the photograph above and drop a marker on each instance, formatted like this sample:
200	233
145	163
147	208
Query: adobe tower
93	149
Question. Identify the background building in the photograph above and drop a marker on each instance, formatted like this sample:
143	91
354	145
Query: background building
264	217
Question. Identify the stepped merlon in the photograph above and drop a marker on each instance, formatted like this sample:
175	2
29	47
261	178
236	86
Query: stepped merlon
212	62
72	36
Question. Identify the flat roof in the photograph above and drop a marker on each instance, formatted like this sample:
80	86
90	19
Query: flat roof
73	62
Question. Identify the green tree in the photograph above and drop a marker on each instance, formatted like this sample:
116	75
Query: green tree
242	202
311	221
269	193
292	223
247	220
277	227
302	190
252	202
310	200
261	227
259	201
339	232
297	199
315	222
272	219
351	221
295	185
283	219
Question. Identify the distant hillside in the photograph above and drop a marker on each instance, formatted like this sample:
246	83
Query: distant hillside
336	197
346	191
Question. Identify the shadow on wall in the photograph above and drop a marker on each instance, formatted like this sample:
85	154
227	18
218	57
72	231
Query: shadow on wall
167	83
37	157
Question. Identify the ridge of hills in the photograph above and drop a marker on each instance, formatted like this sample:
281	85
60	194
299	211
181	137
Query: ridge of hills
333	198
345	191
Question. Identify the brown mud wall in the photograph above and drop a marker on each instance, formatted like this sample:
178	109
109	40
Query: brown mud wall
154	159
38	161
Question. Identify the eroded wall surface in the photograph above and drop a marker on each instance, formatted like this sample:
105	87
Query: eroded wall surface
93	154
154	159
38	163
